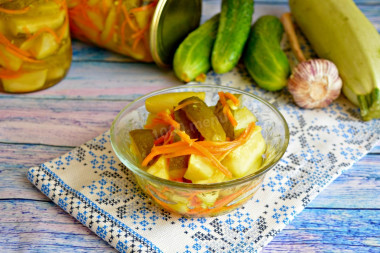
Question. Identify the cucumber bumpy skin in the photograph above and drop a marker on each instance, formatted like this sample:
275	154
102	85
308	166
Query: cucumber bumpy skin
192	58
263	56
338	31
233	31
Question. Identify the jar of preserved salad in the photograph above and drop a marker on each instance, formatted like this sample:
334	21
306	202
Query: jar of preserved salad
146	30
35	45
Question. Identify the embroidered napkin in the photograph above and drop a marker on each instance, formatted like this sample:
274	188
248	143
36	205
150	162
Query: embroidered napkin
92	185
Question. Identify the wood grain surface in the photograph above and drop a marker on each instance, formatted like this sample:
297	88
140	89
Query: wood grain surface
40	126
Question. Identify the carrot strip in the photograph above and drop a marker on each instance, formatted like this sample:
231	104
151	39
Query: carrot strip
168	119
42	30
227	111
188	151
160	140
179	107
135	43
128	19
226	108
9	74
222	98
145	7
19	11
234	99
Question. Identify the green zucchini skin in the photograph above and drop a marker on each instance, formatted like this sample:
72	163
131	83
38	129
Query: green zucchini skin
193	56
263	57
233	31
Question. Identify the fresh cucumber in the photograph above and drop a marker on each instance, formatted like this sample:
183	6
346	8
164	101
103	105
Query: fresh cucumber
233	31
192	58
263	56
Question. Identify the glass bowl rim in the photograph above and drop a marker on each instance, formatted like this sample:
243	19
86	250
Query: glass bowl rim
190	186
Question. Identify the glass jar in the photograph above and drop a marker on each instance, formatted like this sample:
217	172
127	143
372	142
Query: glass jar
35	46
146	30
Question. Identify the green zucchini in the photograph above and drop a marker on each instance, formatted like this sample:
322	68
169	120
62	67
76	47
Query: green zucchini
192	57
263	56
233	31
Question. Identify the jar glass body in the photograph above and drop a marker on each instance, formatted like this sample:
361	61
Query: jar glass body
35	45
121	26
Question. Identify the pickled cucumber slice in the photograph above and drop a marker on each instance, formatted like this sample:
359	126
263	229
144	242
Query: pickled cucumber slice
142	141
251	151
8	60
28	82
204	119
42	46
165	101
33	23
160	168
186	124
224	121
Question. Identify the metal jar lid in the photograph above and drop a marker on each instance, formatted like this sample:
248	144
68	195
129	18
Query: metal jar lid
172	21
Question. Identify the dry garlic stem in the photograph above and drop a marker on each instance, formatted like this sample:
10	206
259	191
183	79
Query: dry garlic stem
314	83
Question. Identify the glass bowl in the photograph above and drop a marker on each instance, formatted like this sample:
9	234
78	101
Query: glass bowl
201	200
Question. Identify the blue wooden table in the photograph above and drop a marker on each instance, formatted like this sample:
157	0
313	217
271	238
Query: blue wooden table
40	126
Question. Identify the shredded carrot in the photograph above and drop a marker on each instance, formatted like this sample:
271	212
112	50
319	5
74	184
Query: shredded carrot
222	98
228	113
42	30
234	99
145	7
183	152
9	74
135	43
226	108
19	11
183	105
214	151
128	19
168	119
16	51
159	140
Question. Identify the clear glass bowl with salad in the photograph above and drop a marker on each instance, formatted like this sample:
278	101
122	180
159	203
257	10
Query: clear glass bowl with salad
199	150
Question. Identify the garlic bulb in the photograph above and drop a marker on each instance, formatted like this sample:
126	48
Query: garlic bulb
315	83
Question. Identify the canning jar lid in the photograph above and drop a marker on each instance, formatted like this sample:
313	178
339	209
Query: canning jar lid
172	21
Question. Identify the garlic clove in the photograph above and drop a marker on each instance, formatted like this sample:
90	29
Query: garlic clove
315	83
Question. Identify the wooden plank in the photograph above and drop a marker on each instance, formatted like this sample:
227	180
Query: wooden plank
330	230
355	188
15	161
55	122
36	226
46	227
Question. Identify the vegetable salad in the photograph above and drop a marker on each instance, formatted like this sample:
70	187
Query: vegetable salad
185	140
